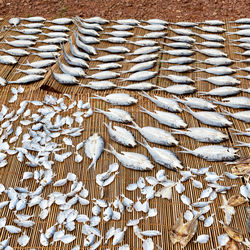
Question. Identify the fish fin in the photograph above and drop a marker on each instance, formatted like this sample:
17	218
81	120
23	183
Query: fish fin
99	110
111	150
177	98
145	144
198	69
237	53
144	94
143	110
98	97
92	164
214	100
225	112
187	151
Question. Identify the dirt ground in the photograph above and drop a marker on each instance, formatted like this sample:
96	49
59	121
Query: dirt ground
140	9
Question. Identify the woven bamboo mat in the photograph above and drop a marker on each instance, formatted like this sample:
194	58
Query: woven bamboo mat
167	210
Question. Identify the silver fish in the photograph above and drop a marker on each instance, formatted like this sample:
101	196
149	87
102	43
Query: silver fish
213	22
242	40
115	49
163	102
47	48
211	29
241	102
210	118
117	99
132	22
221	80
183	32
163	157
132	160
99	85
27	79
156	135
33	19
244	32
84	31
143	58
88	39
57	28
203	134
25	37
179	68
222	91
180	89
87	48
153	35
185	39
213	153
245	53
104	75
144	43
32	25
145	50
166	118
107	66
140	67
74	71
153	27
116	115
195	102
109	58
242	45
121	135
212	37
60	21
122	27
155	21
219	71
55	34
40	64
47	55
179	52
98	20
178	79
94	147
29	31
143	86
64	78
179	60
211	44
178	45
118	33
185	24
211	52
242	115
19	43
140	76
118	40
55	40
217	61
16	52
76	52
7	60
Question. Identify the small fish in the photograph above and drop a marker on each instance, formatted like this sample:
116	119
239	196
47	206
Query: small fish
145	50
185	39
153	35
165	103
211	29
98	20
107	66
153	27
140	67
16	52
76	52
86	48
118	40
121	27
27	79
241	102
34	19
217	61
213	153
99	85
213	22
242	115
32	71
166	118
179	52
156	135
221	80
179	68
29	31
143	58
180	89
117	115
177	45
178	79
73	71
140	76
94	147
60	21
121	135
8	60
222	91
132	160
179	60
212	37
211	44
46	48
209	221
210	118
109	58
243	32
143	43
47	55
143	86
115	49
203	134
64	78
118	33
219	71
163	157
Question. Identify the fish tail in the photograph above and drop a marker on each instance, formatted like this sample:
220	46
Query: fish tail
225	112
202	93
178	132
199	69
99	111
242	144
107	124
201	79
98	97
238	53
186	150
111	150
144	94
176	98
123	72
214	100
92	164
230	33
143	110
135	125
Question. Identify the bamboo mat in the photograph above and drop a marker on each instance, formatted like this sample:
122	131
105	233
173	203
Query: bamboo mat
167	210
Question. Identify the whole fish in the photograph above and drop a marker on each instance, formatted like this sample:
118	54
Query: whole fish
185	24
211	44
247	69
74	71
84	31
116	115
145	50
29	31
99	85
107	66
217	61
242	115
140	76
155	21
40	64
179	68
98	20
242	45
240	102
47	48
180	89
179	52
221	80
88	39
118	33
211	29
115	49
33	19
163	102
55	34
178	79
244	32
93	26
242	40
245	53
210	118
241	21
140	67
132	160
117	99
155	135
16	52
197	103
25	37
104	75
153	27
183	32
132	22
222	91
60	21
57	28
85	47
74	61
185	39
212	37
211	52
178	45
19	43
114	40
166	118
219	71
56	40
213	153
153	35
109	58
201	134
7	60
64	78
143	58
32	71
76	52
142	86
27	79
179	60
94	147
144	43
32	25
121	27
47	55
121	135
213	22
163	157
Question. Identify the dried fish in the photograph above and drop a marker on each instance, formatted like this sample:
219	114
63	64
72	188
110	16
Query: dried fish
140	76
117	115
221	80
222	91
180	89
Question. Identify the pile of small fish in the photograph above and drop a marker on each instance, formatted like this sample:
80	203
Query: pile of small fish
47	136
